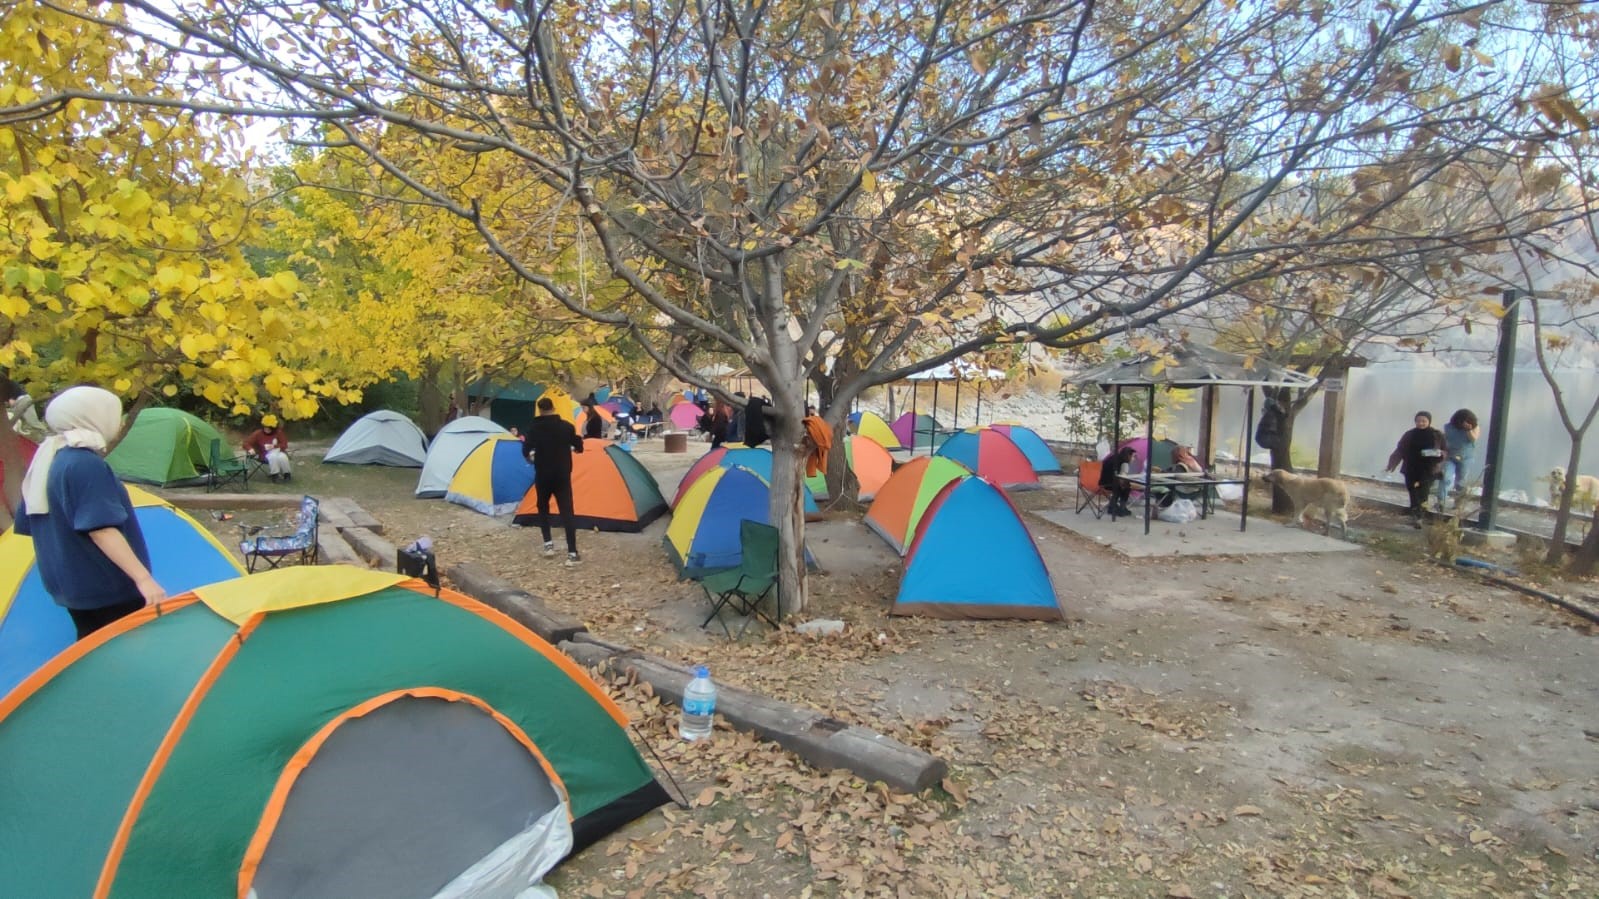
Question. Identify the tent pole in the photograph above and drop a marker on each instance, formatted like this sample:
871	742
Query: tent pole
1149	454
932	420
1249	427
913	418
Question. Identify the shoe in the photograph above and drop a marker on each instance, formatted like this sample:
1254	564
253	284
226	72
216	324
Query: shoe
549	550
572	559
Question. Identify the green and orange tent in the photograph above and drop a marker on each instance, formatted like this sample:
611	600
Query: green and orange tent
900	502
611	491
312	731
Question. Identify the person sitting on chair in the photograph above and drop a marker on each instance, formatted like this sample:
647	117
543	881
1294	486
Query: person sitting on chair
270	446
1183	459
1115	476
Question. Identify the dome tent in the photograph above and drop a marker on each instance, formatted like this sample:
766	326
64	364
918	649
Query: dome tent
704	533
493	478
450	446
973	557
325	731
1038	453
757	459
183	555
611	491
992	455
165	447
904	497
869	424
380	438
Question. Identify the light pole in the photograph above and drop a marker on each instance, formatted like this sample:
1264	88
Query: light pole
1499	413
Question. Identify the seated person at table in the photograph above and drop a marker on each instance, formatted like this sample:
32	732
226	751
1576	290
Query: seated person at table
1183	460
1115	476
269	445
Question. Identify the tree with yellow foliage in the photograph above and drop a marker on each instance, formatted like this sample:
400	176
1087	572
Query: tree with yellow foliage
121	236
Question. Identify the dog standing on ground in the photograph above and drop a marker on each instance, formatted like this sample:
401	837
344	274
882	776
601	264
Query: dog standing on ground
1583	497
1328	493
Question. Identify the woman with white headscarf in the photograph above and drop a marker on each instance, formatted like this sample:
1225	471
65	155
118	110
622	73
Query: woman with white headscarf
90	552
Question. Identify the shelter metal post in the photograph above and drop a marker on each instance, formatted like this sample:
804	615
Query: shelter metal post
1249	429
1116	426
978	420
955	417
1149	455
1207	425
913	418
932	419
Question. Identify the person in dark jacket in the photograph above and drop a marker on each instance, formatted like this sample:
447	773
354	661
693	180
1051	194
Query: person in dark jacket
756	428
1419	457
549	444
593	425
1115	472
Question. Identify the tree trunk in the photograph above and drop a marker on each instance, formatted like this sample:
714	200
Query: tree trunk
1568	492
1282	451
432	398
841	482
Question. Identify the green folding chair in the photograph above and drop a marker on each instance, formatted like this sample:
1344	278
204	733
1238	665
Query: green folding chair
744	588
224	470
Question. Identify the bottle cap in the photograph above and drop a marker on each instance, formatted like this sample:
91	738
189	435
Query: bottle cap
702	671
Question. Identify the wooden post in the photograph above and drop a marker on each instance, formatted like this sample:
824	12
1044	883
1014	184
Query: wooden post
1330	460
1207	425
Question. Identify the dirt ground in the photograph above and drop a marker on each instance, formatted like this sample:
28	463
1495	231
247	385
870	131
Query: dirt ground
1350	724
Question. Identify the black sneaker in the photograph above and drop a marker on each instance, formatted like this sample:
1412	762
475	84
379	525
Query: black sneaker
572	559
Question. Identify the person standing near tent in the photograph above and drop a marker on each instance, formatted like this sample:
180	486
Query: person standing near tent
1419	457
91	553
550	443
593	425
270	445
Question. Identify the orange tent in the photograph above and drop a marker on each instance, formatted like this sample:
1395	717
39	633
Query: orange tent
871	463
611	491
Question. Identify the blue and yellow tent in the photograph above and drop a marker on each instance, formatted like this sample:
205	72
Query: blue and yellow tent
704	533
757	459
974	558
493	478
183	555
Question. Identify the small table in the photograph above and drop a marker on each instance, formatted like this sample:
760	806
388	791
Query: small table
1174	479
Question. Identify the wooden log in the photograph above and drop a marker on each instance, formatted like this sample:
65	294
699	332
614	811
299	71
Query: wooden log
824	741
371	547
357	516
523	607
229	501
333	550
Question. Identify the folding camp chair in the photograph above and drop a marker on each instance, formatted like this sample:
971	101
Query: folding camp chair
224	470
745	587
275	548
1090	495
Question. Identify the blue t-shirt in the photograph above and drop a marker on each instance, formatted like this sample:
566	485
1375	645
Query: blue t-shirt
1459	442
85	496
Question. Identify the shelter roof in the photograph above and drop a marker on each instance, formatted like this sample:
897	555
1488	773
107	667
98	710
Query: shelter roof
1186	367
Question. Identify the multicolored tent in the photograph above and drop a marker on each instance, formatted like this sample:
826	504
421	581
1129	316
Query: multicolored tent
311	731
918	429
605	415
492	478
871	463
757	459
991	455
974	558
685	416
565	406
704	533
611	491
1038	453
903	499
380	438
871	425
183	555
165	447
451	445
1160	453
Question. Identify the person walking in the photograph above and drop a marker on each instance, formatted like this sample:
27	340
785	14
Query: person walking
90	552
1419	456
593	425
549	444
1460	444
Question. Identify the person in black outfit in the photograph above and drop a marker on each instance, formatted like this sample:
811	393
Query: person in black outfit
1112	477
593	425
755	415
550	443
1419	457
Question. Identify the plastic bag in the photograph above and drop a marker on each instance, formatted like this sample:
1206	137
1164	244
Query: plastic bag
1181	511
1230	493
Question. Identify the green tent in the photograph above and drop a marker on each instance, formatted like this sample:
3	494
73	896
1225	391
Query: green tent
165	447
316	731
511	405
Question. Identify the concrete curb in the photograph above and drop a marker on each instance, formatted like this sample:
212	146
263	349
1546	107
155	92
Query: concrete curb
374	549
824	741
333	550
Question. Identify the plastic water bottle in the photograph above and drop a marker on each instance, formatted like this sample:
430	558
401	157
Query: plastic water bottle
699	704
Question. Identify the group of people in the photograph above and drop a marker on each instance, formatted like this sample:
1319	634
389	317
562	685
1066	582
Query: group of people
1435	461
728	423
1120	470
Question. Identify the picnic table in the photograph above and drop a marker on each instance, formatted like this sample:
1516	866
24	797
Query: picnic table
1173	480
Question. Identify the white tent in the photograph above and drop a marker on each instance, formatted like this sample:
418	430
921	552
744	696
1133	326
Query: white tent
380	438
451	445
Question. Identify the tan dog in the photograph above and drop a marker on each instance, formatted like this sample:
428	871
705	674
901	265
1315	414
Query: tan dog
1583	496
1328	493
